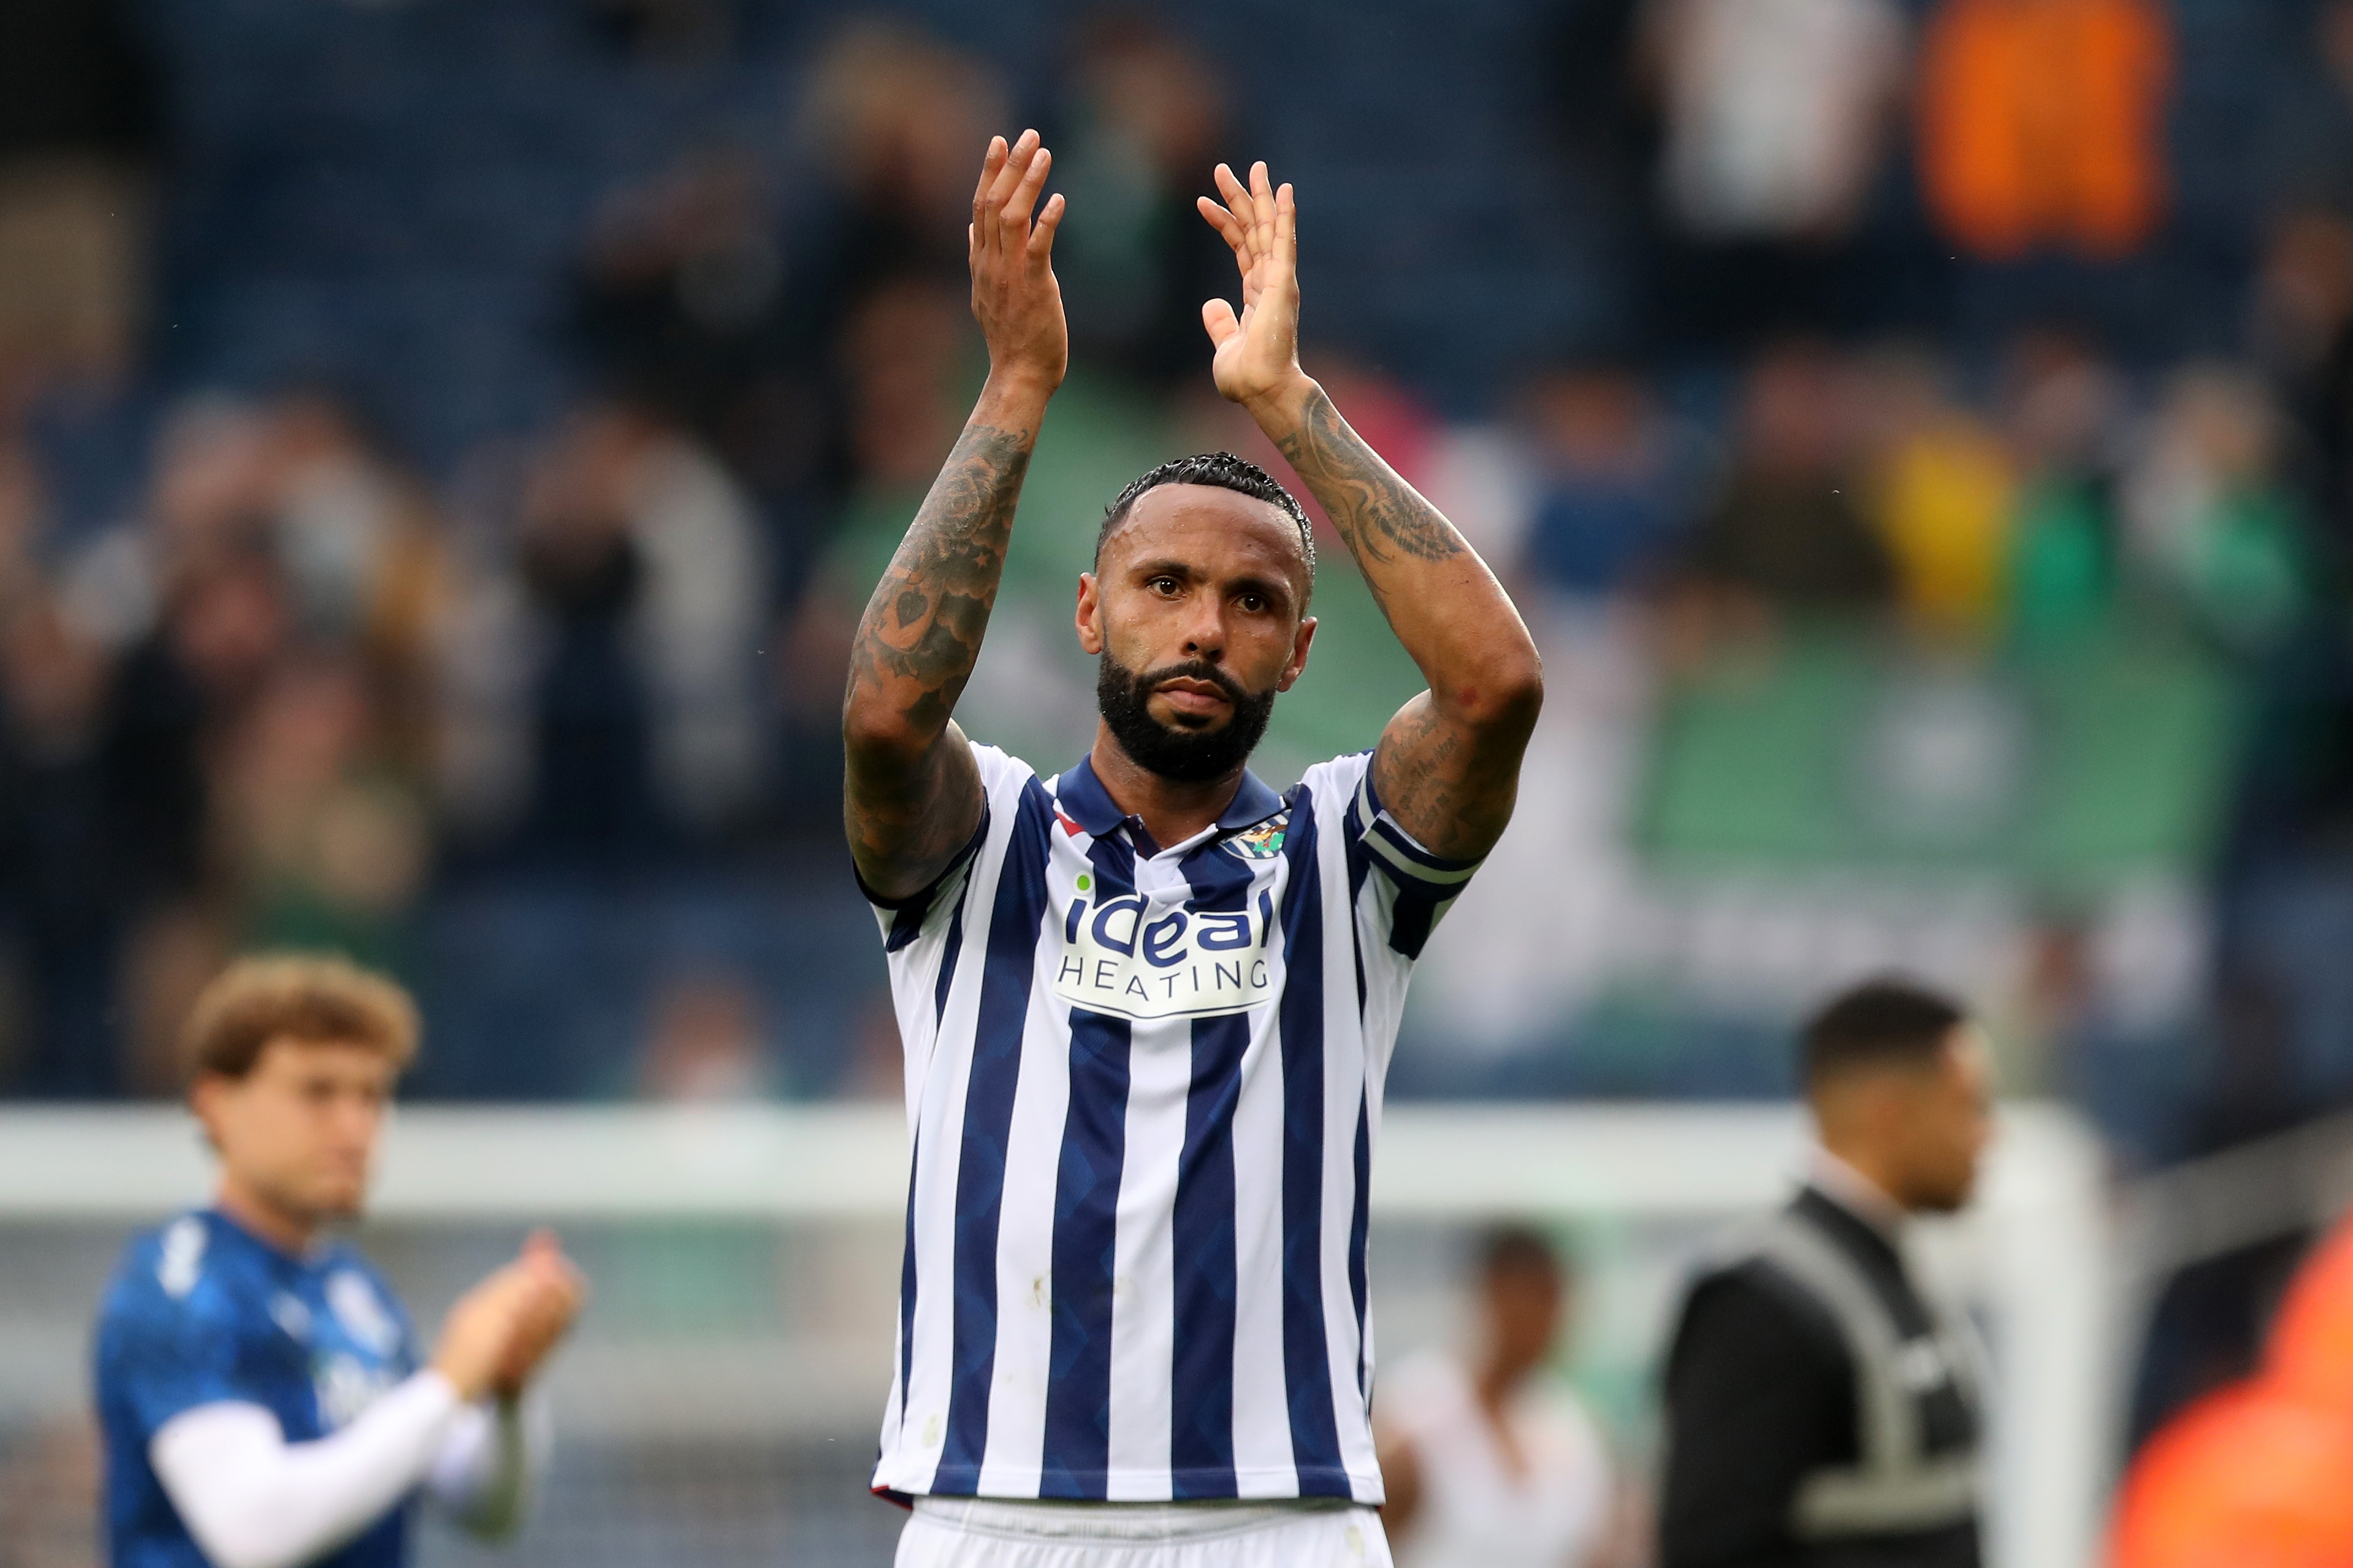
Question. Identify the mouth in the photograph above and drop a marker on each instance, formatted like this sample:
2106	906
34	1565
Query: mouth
1192	698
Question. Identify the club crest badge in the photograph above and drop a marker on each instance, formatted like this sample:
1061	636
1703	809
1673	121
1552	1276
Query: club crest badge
1263	842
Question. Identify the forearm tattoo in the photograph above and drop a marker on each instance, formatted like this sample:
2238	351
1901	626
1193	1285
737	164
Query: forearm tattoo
915	649
922	629
1377	513
1449	776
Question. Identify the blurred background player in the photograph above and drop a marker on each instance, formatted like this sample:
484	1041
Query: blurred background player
260	1384
1148	1003
1485	1465
1822	1408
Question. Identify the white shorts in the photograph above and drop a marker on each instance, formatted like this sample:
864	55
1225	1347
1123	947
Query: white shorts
982	1533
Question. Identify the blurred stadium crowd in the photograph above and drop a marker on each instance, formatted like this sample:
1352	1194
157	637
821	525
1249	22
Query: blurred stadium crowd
444	445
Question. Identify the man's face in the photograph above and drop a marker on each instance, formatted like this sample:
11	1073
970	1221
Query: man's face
298	1131
1196	609
1948	1116
1525	1306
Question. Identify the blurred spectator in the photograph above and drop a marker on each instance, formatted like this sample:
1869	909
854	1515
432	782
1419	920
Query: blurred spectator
1608	130
1940	489
1782	529
706	1042
78	112
901	357
602	677
1777	118
896	119
324	844
2305	159
59	860
2208	521
2065	405
1614	483
2041	123
2303	333
674	32
688	305
1144	117
1486	1467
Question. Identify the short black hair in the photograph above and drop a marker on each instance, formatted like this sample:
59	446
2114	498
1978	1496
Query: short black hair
1517	1249
1227	472
1886	1021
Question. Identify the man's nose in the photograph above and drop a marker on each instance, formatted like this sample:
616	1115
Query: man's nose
1204	634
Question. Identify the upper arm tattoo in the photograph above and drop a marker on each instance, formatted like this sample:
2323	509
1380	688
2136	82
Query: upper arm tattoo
909	810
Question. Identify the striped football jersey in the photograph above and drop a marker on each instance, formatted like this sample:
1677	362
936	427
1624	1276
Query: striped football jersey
1144	1085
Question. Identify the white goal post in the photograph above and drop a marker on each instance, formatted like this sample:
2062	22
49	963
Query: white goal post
2034	1257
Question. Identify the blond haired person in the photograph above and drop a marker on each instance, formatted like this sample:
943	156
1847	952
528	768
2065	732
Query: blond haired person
264	1399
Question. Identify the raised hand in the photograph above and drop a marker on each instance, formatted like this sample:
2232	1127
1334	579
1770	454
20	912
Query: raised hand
479	1329
497	1332
543	1315
1257	361
1014	294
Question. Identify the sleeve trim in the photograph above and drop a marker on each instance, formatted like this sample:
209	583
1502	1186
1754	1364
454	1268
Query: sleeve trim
922	898
1399	852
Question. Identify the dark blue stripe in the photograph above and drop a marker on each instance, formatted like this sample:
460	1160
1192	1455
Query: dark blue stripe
1415	911
1306	1364
1077	1450
988	1119
948	956
1086	1232
1412	917
907	1288
906	925
908	914
1201	1405
1358	1222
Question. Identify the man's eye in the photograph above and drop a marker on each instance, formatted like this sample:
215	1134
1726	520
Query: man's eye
1164	585
1252	603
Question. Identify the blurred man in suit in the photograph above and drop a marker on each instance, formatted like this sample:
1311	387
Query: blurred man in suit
1823	1411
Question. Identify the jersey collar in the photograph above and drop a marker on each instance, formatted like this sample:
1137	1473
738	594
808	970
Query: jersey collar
1086	802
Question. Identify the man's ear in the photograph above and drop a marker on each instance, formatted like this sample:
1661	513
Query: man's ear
1090	616
205	1092
1298	665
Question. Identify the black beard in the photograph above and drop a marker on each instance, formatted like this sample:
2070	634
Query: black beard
1188	756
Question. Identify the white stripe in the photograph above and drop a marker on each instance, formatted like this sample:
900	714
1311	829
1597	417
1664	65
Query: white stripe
937	1094
1343	1090
1025	1250
1377	842
1263	1460
1354	1048
925	1424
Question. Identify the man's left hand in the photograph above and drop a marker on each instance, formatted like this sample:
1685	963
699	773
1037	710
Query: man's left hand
1257	363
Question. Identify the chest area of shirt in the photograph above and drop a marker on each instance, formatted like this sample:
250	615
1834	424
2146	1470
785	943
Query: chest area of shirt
336	1338
1170	937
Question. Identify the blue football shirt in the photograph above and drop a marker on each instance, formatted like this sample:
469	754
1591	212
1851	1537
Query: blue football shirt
202	1311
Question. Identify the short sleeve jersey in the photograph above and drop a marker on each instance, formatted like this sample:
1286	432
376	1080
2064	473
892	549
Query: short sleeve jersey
1145	1084
201	1312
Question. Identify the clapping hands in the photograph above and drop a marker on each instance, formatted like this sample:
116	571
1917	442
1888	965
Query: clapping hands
501	1330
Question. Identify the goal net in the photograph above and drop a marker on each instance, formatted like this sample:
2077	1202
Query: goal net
719	1402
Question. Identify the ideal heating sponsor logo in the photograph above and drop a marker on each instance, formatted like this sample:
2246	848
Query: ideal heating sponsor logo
1133	959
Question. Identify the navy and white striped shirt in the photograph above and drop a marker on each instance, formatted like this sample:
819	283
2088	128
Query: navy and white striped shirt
1144	1086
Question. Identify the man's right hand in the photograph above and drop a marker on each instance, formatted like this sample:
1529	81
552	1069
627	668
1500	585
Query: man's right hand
498	1330
1014	295
911	792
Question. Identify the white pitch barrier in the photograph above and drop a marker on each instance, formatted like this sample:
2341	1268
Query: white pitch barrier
2035	1257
